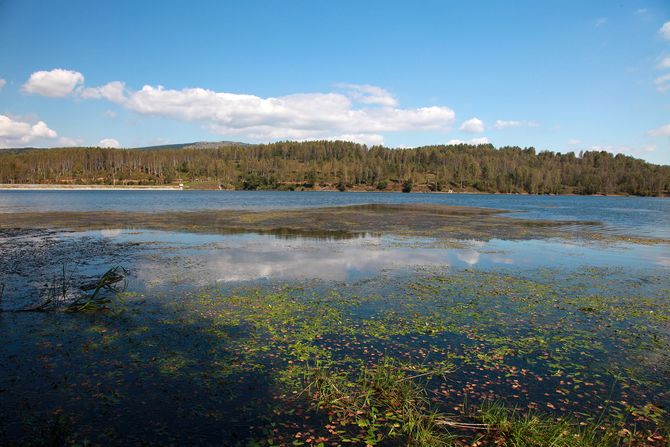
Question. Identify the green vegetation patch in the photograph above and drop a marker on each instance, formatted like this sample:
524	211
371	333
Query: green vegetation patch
568	359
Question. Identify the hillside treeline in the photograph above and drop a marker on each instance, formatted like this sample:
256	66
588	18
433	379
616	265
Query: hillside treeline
344	165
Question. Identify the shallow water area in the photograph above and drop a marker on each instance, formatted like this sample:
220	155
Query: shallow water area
194	260
642	216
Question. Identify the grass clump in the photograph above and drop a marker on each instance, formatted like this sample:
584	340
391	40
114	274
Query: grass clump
382	402
95	300
386	404
510	428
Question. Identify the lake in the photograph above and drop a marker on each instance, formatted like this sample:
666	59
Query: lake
232	303
638	215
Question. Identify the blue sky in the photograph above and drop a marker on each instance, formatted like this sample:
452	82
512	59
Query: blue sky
555	75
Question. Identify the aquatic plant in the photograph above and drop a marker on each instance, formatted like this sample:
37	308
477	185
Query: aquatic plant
509	427
61	299
383	402
108	281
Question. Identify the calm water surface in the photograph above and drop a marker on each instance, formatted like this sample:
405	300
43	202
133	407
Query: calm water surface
627	215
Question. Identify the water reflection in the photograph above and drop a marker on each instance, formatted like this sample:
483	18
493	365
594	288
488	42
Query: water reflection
110	233
35	259
279	233
470	257
208	259
265	257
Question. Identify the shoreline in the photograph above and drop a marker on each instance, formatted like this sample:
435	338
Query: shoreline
58	187
55	187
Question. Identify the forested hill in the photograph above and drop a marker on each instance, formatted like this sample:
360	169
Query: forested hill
343	165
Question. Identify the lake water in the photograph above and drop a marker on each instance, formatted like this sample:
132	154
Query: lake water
222	326
627	215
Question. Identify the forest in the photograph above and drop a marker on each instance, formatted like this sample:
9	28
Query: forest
344	166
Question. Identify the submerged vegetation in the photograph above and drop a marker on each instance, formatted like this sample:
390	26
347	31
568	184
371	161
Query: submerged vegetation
344	165
345	222
438	357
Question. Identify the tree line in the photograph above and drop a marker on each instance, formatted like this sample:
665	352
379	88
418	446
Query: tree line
344	165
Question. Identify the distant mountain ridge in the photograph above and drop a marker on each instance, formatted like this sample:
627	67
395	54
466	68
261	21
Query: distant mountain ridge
193	145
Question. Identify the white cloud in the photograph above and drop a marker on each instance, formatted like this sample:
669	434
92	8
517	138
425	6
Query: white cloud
2	83
663	131
626	150
17	132
113	91
55	83
574	142
663	83
70	142
474	125
369	94
475	141
298	116
367	139
664	63
508	124
665	30
110	114
641	12
109	142
363	112
601	22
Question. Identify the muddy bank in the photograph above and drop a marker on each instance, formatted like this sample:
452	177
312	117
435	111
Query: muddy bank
438	221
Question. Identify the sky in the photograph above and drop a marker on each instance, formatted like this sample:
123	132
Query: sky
560	76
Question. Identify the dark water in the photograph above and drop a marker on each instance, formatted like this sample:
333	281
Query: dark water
631	215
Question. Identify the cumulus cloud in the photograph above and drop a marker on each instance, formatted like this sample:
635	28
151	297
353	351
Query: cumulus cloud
369	94
663	83
17	132
663	131
109	142
2	83
574	142
70	142
665	31
114	91
509	124
360	112
55	83
475	141
297	116
474	125
664	63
